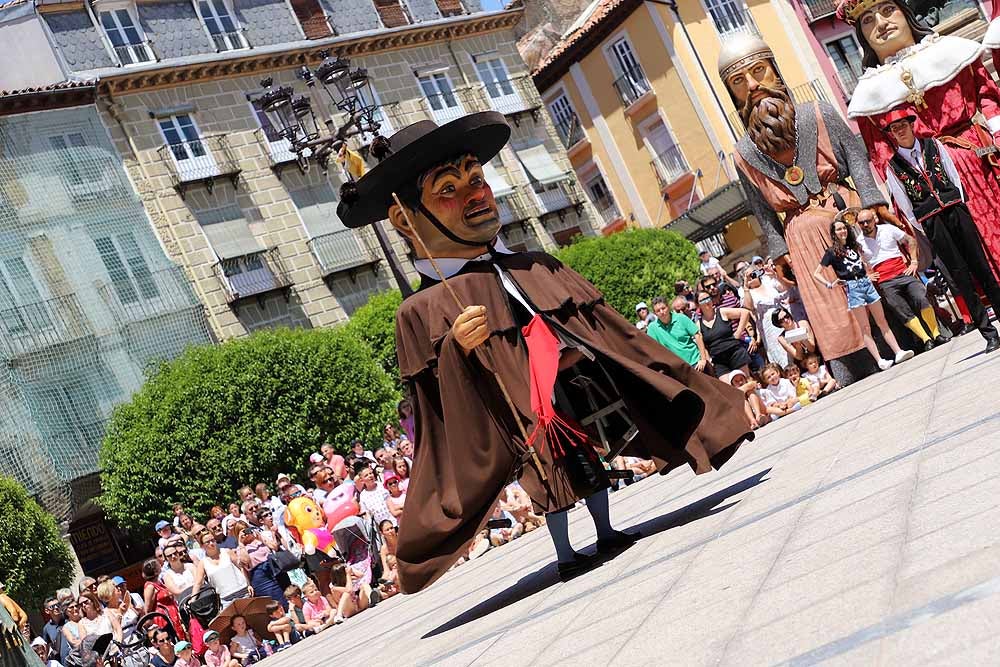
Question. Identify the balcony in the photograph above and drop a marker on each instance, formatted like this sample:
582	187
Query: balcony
344	250
819	9
570	131
43	324
157	293
608	211
252	276
445	107
279	152
511	209
133	54
669	166
807	92
200	161
513	97
557	197
632	85
229	41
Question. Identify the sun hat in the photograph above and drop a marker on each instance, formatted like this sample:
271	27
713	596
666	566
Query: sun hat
639	306
161	524
117	581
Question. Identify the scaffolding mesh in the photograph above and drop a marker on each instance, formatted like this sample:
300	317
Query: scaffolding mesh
88	301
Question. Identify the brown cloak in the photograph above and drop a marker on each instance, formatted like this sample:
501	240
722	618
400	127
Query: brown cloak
464	428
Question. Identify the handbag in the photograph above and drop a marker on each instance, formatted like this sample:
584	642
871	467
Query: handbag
283	561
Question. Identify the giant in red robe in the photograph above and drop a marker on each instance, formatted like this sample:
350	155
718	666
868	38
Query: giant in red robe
943	83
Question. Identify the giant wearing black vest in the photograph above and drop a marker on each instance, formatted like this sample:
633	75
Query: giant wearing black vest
936	202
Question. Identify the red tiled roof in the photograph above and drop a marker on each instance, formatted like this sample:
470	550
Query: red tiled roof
600	12
52	87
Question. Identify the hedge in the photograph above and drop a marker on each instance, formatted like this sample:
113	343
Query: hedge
221	416
634	265
375	324
34	560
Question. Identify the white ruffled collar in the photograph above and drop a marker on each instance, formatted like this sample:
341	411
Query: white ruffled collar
934	61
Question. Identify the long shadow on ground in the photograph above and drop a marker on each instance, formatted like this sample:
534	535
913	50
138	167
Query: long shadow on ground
547	576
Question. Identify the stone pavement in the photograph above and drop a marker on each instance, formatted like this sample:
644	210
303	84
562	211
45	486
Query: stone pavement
862	530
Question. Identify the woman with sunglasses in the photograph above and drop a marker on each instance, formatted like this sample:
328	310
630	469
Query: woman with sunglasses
179	580
799	349
73	632
253	556
724	344
95	618
221	569
157	597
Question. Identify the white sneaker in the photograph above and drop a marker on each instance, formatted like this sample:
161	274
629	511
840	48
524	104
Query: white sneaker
903	355
885	364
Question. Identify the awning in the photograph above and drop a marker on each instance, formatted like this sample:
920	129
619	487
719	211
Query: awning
540	165
229	234
711	215
498	183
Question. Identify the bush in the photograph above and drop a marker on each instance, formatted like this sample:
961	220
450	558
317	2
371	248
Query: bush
634	266
218	417
375	324
34	560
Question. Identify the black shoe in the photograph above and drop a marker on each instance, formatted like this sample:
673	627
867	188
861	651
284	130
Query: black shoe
374	597
581	563
941	340
929	345
992	345
619	542
968	328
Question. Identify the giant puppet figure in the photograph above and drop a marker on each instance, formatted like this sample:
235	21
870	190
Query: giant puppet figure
493	347
794	162
941	82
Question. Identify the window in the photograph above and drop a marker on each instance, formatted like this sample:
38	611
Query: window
385	126
248	275
335	247
602	198
441	96
127	268
62	143
187	146
494	75
22	307
846	57
126	38
668	161
566	121
221	25
630	80
279	147
729	16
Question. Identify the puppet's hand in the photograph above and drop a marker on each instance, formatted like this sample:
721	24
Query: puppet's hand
471	328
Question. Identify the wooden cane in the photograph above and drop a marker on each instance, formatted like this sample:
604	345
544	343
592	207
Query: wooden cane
486	349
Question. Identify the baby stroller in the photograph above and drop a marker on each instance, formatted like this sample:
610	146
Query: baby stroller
357	540
134	651
204	605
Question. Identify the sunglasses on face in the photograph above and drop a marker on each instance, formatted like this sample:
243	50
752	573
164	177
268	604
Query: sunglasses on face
393	483
709	285
171	554
707	299
866	221
52	607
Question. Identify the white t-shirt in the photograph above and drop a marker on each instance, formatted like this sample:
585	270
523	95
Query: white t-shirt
373	502
778	393
884	246
712	263
820	378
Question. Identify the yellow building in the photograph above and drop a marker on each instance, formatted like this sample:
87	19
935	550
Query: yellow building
633	89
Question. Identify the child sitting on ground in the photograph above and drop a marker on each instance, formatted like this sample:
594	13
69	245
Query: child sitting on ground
185	655
217	655
778	393
297	613
817	374
753	405
803	388
244	645
316	607
279	625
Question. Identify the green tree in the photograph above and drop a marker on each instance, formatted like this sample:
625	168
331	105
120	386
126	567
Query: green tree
221	416
34	560
633	266
375	324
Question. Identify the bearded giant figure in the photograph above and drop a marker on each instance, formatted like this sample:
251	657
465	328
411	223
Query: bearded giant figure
794	162
939	80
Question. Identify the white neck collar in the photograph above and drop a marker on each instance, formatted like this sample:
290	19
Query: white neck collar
452	265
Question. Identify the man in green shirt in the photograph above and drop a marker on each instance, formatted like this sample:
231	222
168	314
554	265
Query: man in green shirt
678	333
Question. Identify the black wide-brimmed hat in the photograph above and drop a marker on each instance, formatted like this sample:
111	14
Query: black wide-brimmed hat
415	149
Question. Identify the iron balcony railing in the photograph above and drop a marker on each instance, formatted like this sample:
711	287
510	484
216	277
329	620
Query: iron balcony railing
202	159
820	8
150	295
669	166
252	275
557	197
608	211
511	208
570	131
446	107
229	41
632	85
807	92
133	54
512	96
343	250
42	324
279	151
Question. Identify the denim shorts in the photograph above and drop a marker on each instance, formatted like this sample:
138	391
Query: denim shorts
860	292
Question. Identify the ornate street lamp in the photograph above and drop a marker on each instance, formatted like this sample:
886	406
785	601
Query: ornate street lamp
331	88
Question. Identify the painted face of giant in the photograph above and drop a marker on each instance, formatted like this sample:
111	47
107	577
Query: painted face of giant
457	195
886	29
764	105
